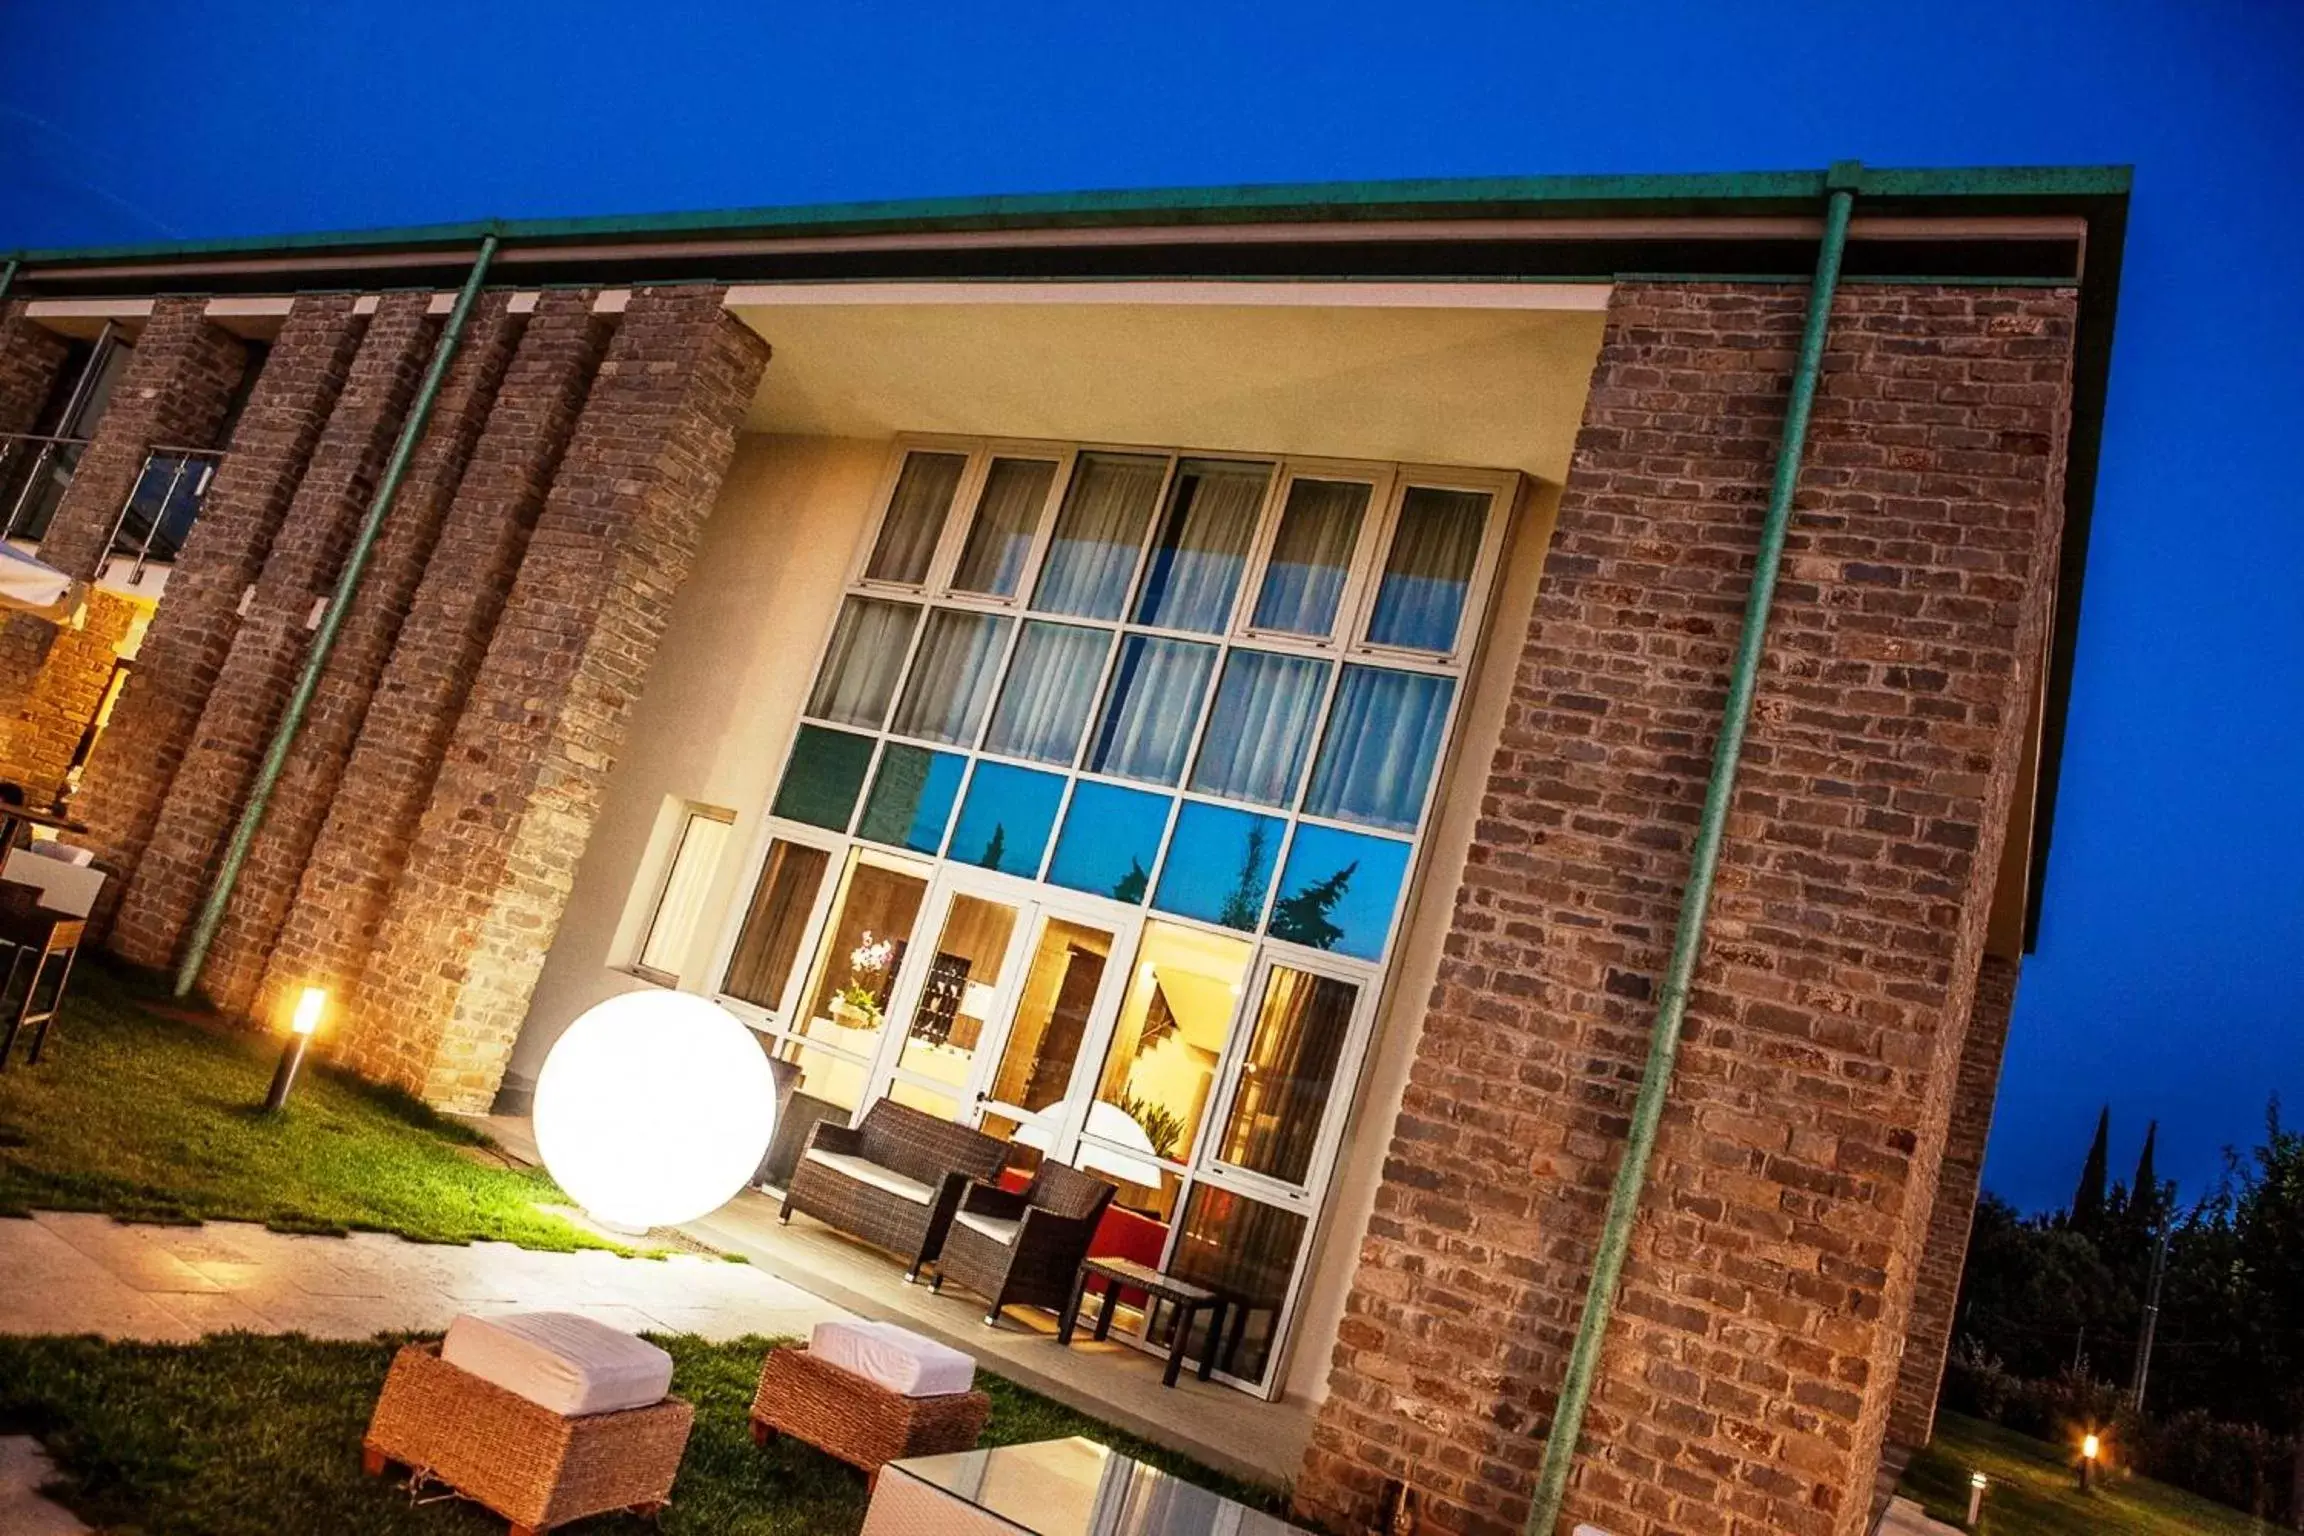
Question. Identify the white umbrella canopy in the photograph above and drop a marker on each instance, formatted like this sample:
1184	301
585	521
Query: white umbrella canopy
28	585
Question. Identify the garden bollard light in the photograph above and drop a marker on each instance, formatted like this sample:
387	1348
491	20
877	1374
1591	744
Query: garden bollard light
1976	1486
309	1007
2089	1446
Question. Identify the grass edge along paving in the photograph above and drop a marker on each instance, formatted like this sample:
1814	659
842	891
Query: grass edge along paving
152	1117
243	1434
2035	1490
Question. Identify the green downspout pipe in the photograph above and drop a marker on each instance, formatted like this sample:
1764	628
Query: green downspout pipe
219	897
8	276
1696	899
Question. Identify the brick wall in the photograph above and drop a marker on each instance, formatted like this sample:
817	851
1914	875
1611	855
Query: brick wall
174	392
72	685
1746	1375
379	799
134	766
460	945
31	356
1960	1175
310	777
275	630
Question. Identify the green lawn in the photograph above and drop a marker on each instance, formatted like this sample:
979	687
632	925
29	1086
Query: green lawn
158	1119
2035	1491
248	1436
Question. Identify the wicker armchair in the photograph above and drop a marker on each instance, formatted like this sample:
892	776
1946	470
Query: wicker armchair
1024	1249
893	1181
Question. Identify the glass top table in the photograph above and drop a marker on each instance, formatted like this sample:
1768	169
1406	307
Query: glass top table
1052	1488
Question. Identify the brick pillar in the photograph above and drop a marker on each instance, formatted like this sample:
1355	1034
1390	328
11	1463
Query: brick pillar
380	796
275	628
1745	1377
135	762
1959	1178
31	357
462	942
176	389
315	766
71	688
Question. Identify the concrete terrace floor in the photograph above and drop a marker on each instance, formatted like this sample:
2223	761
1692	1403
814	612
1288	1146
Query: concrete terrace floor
1215	1424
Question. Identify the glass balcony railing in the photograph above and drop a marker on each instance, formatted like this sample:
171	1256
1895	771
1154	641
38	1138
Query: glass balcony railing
162	507
34	473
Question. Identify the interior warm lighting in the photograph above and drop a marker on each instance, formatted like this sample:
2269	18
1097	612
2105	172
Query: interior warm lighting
654	1108
309	1009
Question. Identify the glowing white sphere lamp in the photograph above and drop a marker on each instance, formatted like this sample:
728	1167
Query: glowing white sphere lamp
654	1109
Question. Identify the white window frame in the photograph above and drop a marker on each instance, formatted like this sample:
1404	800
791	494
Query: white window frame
689	813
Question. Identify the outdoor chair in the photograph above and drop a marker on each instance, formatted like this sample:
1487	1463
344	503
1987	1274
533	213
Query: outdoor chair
1024	1249
893	1181
796	1115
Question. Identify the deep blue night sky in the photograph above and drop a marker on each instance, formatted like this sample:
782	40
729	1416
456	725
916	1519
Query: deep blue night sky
2176	892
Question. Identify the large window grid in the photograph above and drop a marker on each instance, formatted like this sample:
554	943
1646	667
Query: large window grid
1008	563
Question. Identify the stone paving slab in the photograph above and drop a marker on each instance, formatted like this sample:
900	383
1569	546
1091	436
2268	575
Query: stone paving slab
24	1470
71	1272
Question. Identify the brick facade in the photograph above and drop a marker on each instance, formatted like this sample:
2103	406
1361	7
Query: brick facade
134	767
315	765
362	846
174	392
465	934
1746	1376
1959	1178
31	357
73	681
275	630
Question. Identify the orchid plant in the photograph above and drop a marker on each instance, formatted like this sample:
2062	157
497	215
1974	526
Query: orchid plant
868	965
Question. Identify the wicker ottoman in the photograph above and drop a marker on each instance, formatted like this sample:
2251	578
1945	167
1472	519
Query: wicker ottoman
523	1461
861	1422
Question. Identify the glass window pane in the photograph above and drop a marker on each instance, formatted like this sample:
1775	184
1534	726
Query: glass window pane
673	925
952	676
1093	554
1429	569
1111	839
1219	865
911	799
1338	891
1151	708
1172	1027
863	949
957	997
1311	557
1250	1249
1004	822
1203	543
1052	1011
821	780
770	942
1288	1074
915	517
1007	514
1261	727
862	663
1050	689
1376	757
834	1079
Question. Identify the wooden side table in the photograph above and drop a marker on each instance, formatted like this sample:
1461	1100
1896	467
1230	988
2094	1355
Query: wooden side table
1188	1299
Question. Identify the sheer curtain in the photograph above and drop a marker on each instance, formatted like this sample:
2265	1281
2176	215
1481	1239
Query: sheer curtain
1000	538
915	517
952	677
1257	734
1093	552
1151	708
1311	556
1376	759
1291	1068
1203	543
1050	689
770	942
1429	569
863	662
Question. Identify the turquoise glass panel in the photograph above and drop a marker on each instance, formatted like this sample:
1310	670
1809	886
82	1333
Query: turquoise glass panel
1339	891
821	780
1110	840
1219	865
1005	821
911	799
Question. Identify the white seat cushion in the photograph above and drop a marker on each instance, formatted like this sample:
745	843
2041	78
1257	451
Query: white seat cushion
864	1171
902	1361
998	1228
560	1360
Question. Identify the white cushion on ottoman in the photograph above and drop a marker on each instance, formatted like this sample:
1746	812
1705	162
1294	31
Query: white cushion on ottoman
560	1360
903	1362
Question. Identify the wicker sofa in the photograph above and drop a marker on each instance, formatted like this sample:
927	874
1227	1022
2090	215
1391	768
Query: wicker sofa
1024	1249
894	1181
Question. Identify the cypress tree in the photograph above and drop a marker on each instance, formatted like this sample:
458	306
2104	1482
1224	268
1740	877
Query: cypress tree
2144	1203
2088	1199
